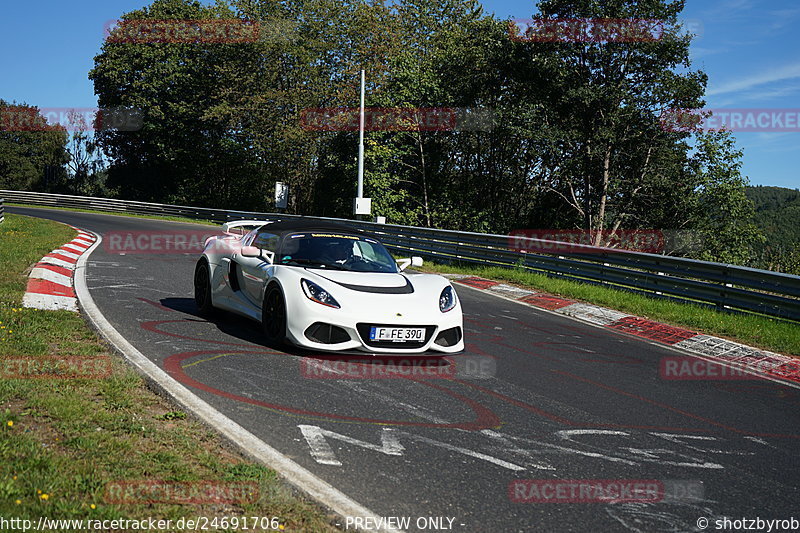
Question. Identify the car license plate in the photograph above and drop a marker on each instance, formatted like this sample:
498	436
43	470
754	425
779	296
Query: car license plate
396	334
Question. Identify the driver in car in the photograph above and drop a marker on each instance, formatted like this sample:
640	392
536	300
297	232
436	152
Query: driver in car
338	251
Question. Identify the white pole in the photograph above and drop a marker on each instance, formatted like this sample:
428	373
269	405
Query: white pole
361	143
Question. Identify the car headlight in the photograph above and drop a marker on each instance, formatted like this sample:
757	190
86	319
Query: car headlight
447	299
317	294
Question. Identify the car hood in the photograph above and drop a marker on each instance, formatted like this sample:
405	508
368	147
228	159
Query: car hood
364	279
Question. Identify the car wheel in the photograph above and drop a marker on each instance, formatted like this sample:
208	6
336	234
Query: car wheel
273	316
202	288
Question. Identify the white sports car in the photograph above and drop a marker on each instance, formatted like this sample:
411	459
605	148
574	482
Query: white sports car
327	287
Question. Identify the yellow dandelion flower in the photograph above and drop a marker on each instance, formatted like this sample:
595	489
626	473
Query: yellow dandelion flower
38	492
14	478
18	502
44	496
93	506
10	423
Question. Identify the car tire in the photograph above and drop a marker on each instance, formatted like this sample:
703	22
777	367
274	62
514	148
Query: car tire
273	316
202	288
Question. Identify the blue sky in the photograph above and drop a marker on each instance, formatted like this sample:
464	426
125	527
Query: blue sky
749	49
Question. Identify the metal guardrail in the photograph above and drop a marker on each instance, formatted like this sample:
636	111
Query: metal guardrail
726	287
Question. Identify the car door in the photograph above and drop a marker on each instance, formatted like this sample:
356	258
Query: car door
254	271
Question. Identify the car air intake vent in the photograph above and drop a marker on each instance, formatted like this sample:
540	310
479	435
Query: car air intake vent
448	337
326	333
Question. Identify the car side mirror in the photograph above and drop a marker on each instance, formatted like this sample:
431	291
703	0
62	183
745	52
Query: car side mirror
406	262
251	251
254	251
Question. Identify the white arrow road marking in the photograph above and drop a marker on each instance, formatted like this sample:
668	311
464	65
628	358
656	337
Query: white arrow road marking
477	455
652	455
513	448
323	453
676	439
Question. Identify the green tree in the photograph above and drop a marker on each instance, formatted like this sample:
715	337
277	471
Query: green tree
612	152
720	211
32	153
182	154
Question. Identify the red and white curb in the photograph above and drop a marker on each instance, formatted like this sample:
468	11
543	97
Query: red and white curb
760	362
50	284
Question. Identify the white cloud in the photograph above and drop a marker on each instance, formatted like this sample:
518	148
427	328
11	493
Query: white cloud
786	72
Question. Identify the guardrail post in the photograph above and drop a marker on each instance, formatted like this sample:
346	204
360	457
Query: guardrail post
2	211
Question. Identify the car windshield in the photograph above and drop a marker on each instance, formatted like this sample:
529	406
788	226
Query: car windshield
337	252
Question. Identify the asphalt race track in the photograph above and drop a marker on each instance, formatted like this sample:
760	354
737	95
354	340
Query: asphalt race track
553	399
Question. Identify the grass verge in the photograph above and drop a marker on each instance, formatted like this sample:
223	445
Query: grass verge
762	332
65	443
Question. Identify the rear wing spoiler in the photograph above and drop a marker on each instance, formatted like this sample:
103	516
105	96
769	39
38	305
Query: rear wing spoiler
228	226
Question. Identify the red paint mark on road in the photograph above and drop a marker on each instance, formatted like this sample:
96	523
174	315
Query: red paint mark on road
789	371
156	304
654	331
484	418
519	403
546	301
479	283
